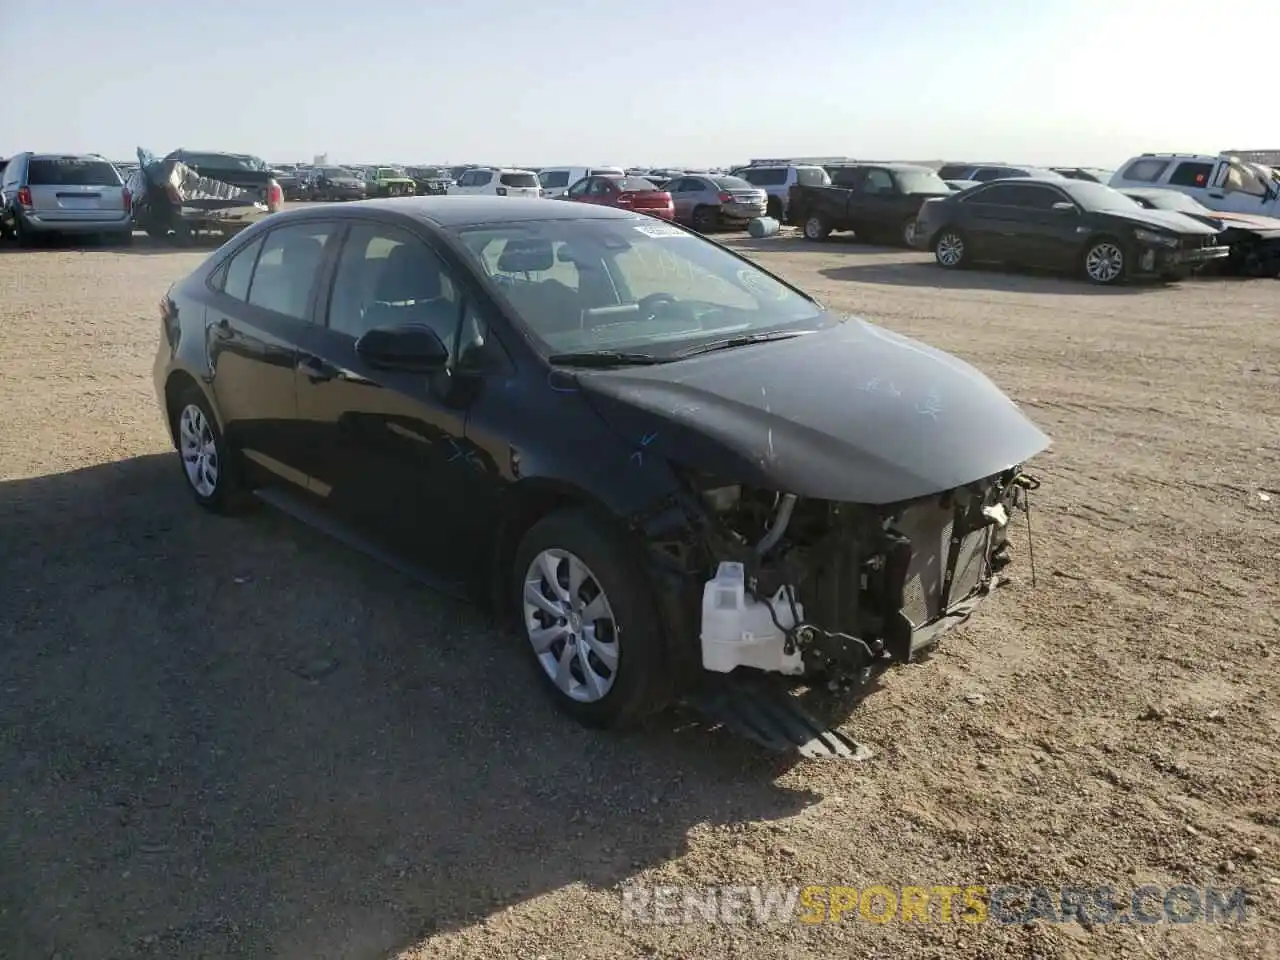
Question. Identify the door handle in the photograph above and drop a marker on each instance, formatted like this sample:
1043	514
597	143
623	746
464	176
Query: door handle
315	369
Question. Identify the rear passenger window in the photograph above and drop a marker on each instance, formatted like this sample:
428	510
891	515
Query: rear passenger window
1147	170
239	271
287	268
1191	173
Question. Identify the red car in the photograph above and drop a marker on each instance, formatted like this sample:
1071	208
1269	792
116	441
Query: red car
626	193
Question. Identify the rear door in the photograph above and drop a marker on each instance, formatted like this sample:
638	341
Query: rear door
684	196
263	304
75	189
985	221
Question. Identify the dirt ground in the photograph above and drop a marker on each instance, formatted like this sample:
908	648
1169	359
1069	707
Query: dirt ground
235	738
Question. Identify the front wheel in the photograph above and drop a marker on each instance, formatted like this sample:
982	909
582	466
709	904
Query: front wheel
590	620
1104	261
950	250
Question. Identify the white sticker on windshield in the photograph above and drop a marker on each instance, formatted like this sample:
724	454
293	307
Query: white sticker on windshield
660	230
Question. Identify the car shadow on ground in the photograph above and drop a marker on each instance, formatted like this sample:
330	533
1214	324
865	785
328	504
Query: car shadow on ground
235	737
926	273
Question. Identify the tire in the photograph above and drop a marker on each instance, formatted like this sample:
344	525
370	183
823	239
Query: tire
226	493
907	234
950	249
21	234
1104	261
626	632
773	208
704	219
816	227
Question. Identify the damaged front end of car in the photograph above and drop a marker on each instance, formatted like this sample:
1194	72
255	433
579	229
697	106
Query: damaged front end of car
819	589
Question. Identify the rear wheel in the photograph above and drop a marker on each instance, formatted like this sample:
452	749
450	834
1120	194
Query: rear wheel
816	227
704	219
909	231
774	209
950	250
208	464
590	620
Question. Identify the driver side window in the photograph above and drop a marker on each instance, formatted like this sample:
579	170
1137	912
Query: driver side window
386	277
579	188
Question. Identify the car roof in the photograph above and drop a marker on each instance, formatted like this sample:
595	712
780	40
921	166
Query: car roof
457	211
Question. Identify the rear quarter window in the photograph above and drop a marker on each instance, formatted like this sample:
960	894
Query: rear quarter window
518	180
47	171
1146	170
812	177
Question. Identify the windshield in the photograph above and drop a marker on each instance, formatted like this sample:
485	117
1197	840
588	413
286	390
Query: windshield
71	172
635	285
633	184
334	172
1096	196
387	173
920	181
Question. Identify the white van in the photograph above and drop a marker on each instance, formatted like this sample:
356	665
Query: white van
497	182
556	181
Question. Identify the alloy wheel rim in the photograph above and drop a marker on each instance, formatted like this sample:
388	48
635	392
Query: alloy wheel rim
571	625
1104	262
950	250
813	228
199	450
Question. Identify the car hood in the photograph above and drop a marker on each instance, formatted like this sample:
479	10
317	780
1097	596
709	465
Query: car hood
1165	220
852	413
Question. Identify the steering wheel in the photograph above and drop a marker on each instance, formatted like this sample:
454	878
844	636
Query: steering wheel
650	305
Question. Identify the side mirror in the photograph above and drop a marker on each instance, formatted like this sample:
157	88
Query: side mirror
1064	207
412	348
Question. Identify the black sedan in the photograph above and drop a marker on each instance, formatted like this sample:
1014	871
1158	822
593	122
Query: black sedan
1063	224
657	460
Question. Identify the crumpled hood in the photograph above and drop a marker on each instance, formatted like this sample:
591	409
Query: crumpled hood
1166	220
852	413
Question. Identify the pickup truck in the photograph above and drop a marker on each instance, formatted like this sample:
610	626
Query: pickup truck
874	200
1227	183
188	192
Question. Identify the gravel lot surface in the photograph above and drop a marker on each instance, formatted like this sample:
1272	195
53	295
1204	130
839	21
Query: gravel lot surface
235	738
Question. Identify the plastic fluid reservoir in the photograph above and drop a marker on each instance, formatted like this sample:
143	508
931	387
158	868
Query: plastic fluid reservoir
739	631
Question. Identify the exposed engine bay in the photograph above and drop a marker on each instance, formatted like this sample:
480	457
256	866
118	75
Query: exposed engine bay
812	588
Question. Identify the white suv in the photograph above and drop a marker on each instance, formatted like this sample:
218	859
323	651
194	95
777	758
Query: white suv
1224	182
777	179
497	182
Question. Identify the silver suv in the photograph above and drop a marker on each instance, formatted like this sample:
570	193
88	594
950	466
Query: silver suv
57	193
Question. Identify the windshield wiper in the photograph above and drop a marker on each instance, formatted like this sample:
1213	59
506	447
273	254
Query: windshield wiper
741	341
603	358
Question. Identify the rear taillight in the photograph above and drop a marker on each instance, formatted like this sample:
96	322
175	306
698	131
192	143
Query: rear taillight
501	191
24	196
275	197
726	198
127	198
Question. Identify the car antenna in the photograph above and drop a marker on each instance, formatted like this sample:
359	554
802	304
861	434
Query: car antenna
1028	483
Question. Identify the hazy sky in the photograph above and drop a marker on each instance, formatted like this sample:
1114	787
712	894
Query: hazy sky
657	82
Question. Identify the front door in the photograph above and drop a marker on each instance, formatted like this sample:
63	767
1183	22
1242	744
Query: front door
388	451
262	308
